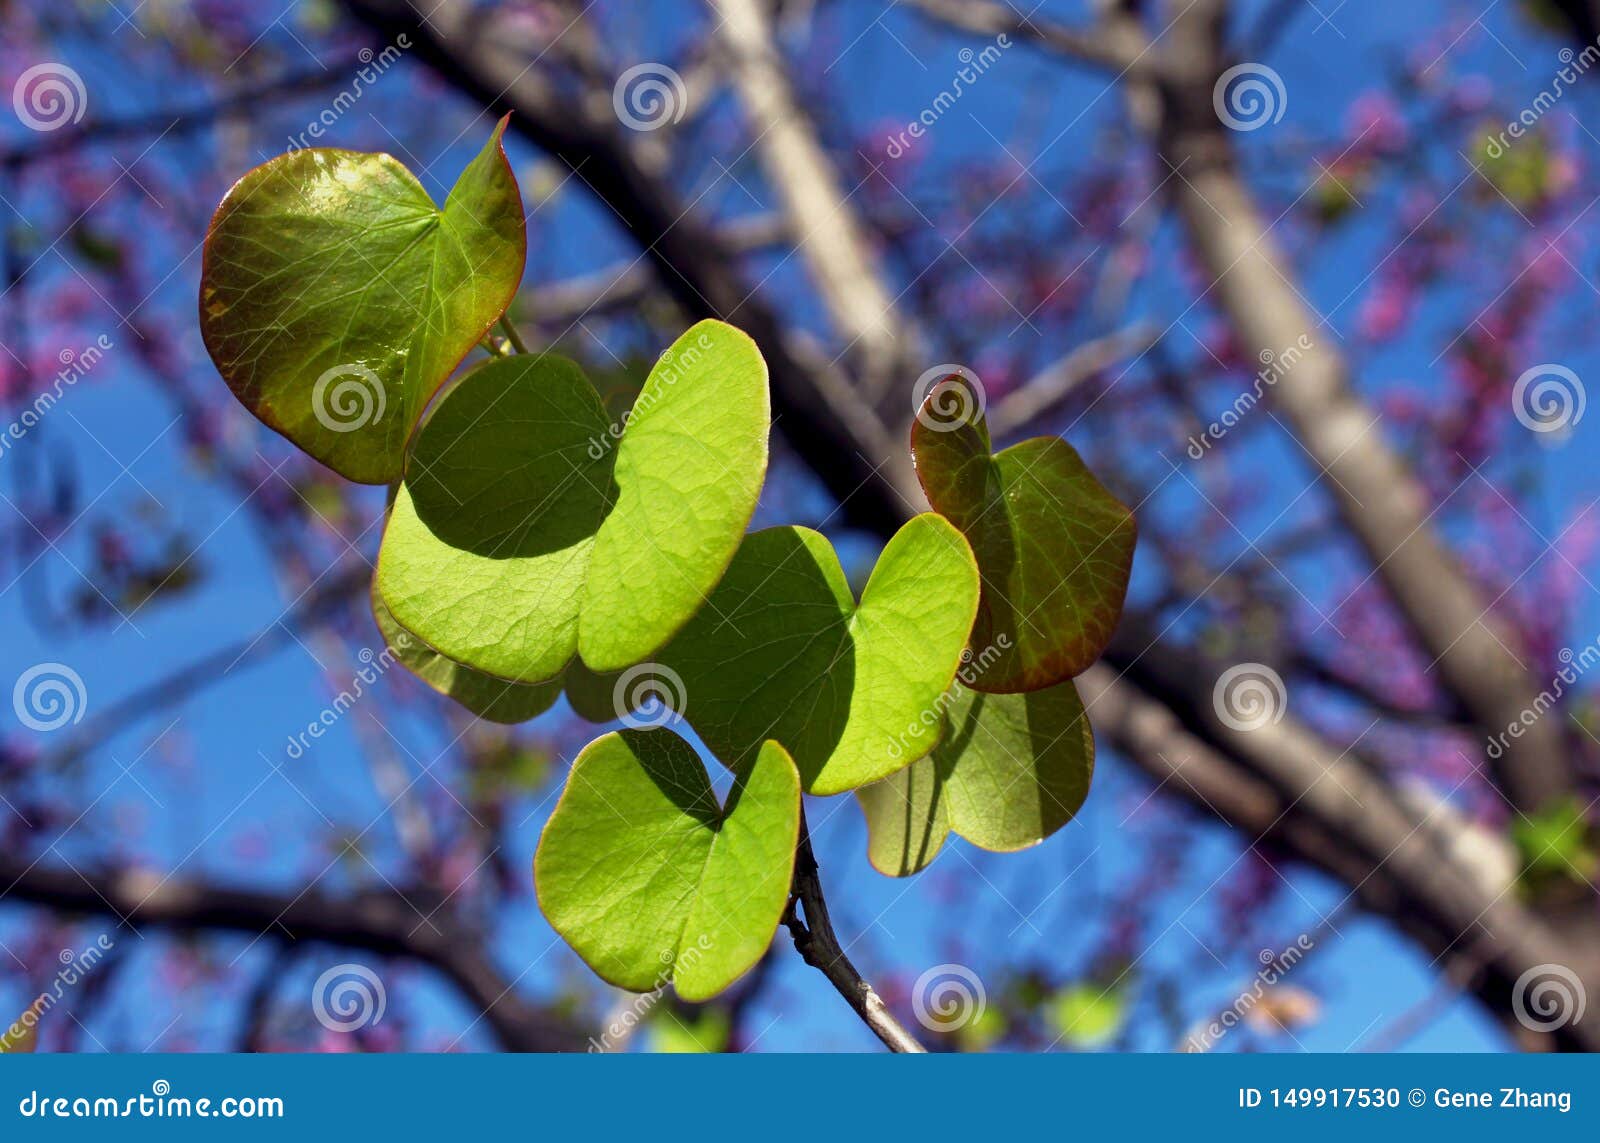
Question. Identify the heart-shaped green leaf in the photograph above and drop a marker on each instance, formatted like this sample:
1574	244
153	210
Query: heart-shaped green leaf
1009	770
782	651
335	297
498	700
1053	546
690	466
649	880
527	531
488	541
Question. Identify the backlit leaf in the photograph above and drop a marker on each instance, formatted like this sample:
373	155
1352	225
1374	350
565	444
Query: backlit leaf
335	297
1009	770
530	529
689	470
498	700
488	541
781	650
650	880
1053	546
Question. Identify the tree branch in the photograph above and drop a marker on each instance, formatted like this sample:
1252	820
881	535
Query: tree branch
828	236
1283	783
384	922
819	947
987	19
850	454
1374	492
1312	800
627	283
1053	384
333	590
179	121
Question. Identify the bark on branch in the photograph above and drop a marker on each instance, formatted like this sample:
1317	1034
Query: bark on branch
387	923
849	453
828	235
819	947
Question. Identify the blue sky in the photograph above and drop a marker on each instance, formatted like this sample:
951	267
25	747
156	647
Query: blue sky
210	784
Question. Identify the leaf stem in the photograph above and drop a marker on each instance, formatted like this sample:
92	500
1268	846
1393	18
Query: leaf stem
819	947
512	335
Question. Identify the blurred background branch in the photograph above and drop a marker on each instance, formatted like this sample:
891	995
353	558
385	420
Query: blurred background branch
1289	332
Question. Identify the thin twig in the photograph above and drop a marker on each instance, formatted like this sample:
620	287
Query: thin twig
819	947
1053	384
512	335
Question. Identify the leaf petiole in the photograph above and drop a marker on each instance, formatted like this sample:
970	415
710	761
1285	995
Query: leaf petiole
512	335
